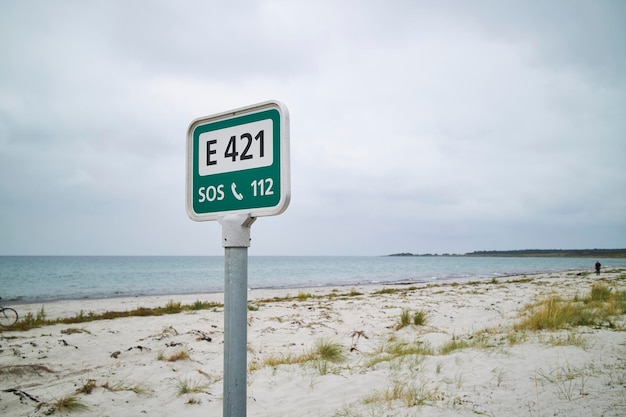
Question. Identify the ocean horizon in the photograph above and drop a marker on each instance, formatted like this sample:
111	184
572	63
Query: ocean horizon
33	279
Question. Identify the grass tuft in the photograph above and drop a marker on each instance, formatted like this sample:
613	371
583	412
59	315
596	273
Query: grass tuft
178	355
328	351
120	386
173	307
74	330
323	351
188	386
420	317
303	296
405	319
599	293
66	404
87	387
200	305
550	314
454	344
395	349
412	394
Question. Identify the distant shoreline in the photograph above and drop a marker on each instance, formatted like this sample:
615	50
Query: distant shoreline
546	253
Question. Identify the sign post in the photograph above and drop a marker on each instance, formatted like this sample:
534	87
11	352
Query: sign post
238	170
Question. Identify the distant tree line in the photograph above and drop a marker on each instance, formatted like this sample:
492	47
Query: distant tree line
554	253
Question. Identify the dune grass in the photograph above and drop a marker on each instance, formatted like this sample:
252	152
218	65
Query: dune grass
405	319
328	350
178	355
394	349
30	321
419	318
66	404
324	350
454	344
412	394
189	386
599	308
87	387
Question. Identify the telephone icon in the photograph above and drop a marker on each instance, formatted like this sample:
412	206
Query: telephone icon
233	188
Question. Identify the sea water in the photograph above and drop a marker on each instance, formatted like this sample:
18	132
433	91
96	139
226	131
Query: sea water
27	279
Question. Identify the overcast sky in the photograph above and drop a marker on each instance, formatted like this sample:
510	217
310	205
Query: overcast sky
416	126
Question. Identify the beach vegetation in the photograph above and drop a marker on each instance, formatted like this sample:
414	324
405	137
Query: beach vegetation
356	335
516	338
599	293
122	386
39	319
41	315
273	361
173	307
568	381
328	350
479	340
188	386
24	370
303	296
387	291
456	343
27	322
500	375
136	388
322	367
405	319
348	411
458	380
177	355
87	387
419	318
334	295
323	351
31	320
201	305
554	313
411	394
571	338
551	314
439	367
74	330
64	404
398	349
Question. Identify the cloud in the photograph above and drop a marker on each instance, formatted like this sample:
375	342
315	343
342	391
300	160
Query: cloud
415	126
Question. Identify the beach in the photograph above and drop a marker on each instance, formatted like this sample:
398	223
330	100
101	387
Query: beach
329	351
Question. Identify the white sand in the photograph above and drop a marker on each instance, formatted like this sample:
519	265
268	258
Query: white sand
534	376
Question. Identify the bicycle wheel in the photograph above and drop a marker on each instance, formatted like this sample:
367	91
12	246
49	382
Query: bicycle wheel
8	317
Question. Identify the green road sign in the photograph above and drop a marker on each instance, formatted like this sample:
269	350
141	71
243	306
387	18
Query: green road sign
238	162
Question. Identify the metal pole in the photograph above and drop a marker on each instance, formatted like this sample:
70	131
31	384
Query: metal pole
235	331
236	240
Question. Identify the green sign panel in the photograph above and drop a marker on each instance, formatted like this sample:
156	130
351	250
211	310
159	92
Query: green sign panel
238	162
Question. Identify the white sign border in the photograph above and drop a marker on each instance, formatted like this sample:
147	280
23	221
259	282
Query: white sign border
285	171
